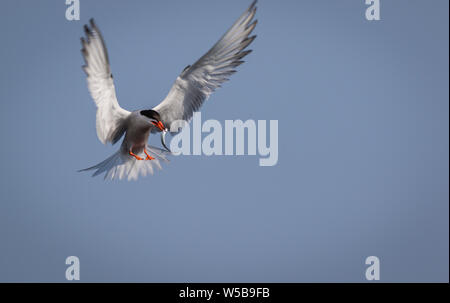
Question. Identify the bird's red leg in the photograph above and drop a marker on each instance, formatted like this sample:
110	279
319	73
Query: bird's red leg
148	156
136	156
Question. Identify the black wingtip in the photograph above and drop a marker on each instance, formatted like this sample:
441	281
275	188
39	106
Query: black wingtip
87	30
186	68
252	8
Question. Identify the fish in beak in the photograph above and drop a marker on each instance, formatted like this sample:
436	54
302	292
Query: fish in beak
163	140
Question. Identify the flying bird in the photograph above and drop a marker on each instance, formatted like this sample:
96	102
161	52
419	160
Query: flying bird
191	88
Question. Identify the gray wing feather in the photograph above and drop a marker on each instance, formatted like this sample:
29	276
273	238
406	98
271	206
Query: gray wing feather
197	82
110	117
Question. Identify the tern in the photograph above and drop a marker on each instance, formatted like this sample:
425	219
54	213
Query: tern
191	88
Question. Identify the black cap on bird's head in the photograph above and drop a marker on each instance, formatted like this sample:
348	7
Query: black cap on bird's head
155	118
151	114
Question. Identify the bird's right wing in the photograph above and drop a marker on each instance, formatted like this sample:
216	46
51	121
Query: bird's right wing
196	83
110	116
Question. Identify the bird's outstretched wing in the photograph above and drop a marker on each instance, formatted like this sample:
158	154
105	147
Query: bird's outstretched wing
196	83
110	116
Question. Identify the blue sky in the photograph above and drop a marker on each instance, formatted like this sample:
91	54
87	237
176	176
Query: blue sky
363	145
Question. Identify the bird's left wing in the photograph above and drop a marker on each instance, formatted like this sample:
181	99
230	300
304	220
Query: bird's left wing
110	116
196	83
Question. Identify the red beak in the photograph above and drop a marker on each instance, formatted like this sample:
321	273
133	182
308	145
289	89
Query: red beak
159	125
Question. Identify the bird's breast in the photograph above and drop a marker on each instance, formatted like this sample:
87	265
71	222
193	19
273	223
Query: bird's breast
136	137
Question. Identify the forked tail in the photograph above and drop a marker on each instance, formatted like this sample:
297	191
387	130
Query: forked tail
120	165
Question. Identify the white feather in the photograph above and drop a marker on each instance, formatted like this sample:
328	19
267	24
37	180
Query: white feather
110	116
121	166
